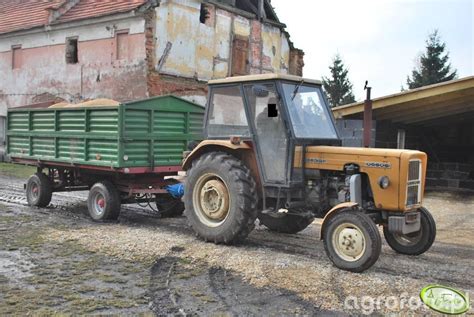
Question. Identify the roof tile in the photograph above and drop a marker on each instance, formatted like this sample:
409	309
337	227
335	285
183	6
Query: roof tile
26	14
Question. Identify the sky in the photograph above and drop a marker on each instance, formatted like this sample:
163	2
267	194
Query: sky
378	40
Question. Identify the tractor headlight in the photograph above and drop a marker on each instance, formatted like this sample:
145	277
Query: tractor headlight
384	182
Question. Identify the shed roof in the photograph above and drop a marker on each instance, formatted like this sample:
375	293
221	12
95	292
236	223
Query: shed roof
437	104
260	77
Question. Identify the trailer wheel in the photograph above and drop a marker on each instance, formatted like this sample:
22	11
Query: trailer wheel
169	206
103	201
39	190
220	198
415	243
286	224
352	241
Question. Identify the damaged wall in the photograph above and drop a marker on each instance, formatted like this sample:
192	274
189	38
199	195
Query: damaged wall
199	41
171	49
193	49
107	66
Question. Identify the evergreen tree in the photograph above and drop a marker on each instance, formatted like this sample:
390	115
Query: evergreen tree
338	87
433	65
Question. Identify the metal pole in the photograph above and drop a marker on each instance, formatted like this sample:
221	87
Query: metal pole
367	117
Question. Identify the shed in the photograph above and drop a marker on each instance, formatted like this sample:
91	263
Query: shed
437	119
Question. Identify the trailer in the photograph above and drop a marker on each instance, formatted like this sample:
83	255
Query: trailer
123	154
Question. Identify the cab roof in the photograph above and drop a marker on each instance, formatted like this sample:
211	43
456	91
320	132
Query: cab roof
262	77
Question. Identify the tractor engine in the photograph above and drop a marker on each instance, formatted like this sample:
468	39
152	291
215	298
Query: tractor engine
325	190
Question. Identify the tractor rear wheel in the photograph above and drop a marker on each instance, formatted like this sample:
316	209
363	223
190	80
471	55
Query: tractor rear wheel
220	198
414	243
352	241
285	224
39	190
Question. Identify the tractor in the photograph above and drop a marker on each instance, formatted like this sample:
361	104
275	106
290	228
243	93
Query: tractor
271	152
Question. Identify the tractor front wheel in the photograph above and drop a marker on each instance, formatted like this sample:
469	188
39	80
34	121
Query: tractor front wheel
220	198
352	241
414	243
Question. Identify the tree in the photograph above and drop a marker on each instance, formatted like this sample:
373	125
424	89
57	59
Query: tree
338	87
433	65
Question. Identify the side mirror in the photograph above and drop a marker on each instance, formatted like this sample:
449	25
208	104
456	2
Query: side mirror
272	110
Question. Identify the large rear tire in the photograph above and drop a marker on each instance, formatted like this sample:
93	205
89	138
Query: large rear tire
352	241
285	224
104	201
415	243
220	198
39	190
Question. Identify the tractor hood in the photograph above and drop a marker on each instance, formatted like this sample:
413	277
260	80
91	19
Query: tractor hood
359	151
375	163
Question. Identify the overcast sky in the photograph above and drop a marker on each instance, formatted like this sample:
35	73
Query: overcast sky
378	40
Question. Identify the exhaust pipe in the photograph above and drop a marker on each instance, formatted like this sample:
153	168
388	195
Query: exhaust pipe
367	116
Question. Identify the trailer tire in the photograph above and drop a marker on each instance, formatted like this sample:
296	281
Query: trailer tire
416	243
103	201
352	241
39	190
220	198
290	224
169	207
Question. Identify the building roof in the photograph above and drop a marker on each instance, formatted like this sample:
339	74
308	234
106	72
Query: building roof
262	77
21	14
93	8
18	15
432	105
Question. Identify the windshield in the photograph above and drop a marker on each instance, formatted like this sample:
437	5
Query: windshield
309	115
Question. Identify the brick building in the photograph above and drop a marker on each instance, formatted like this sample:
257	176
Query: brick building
131	49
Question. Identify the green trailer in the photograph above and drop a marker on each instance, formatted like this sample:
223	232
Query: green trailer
121	153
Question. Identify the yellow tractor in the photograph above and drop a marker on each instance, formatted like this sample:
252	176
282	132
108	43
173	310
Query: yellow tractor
272	153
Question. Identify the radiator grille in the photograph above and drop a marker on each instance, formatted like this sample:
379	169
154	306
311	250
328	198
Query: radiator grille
414	183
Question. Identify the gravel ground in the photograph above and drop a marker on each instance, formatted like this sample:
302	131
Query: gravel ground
56	260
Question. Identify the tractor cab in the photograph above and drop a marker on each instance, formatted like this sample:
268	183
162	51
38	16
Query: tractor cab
277	113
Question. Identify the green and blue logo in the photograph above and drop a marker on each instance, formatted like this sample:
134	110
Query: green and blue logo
445	300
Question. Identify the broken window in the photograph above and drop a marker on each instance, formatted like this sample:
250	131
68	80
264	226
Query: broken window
72	53
122	44
240	56
16	56
205	14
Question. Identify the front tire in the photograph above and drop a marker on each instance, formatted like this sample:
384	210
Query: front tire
103	202
39	190
415	243
352	241
220	198
290	224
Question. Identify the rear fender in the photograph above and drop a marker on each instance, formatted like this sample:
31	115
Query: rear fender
212	146
243	151
333	211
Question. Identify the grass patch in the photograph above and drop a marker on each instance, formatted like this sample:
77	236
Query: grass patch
16	170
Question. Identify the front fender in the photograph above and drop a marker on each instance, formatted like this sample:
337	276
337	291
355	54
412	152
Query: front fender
333	211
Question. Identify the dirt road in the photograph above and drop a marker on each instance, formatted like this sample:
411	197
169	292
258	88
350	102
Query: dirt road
57	260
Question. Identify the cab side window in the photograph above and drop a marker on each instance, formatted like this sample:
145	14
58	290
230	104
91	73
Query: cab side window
227	115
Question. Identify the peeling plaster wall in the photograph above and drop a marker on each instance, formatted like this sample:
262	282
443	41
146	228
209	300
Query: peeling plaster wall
44	73
189	48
